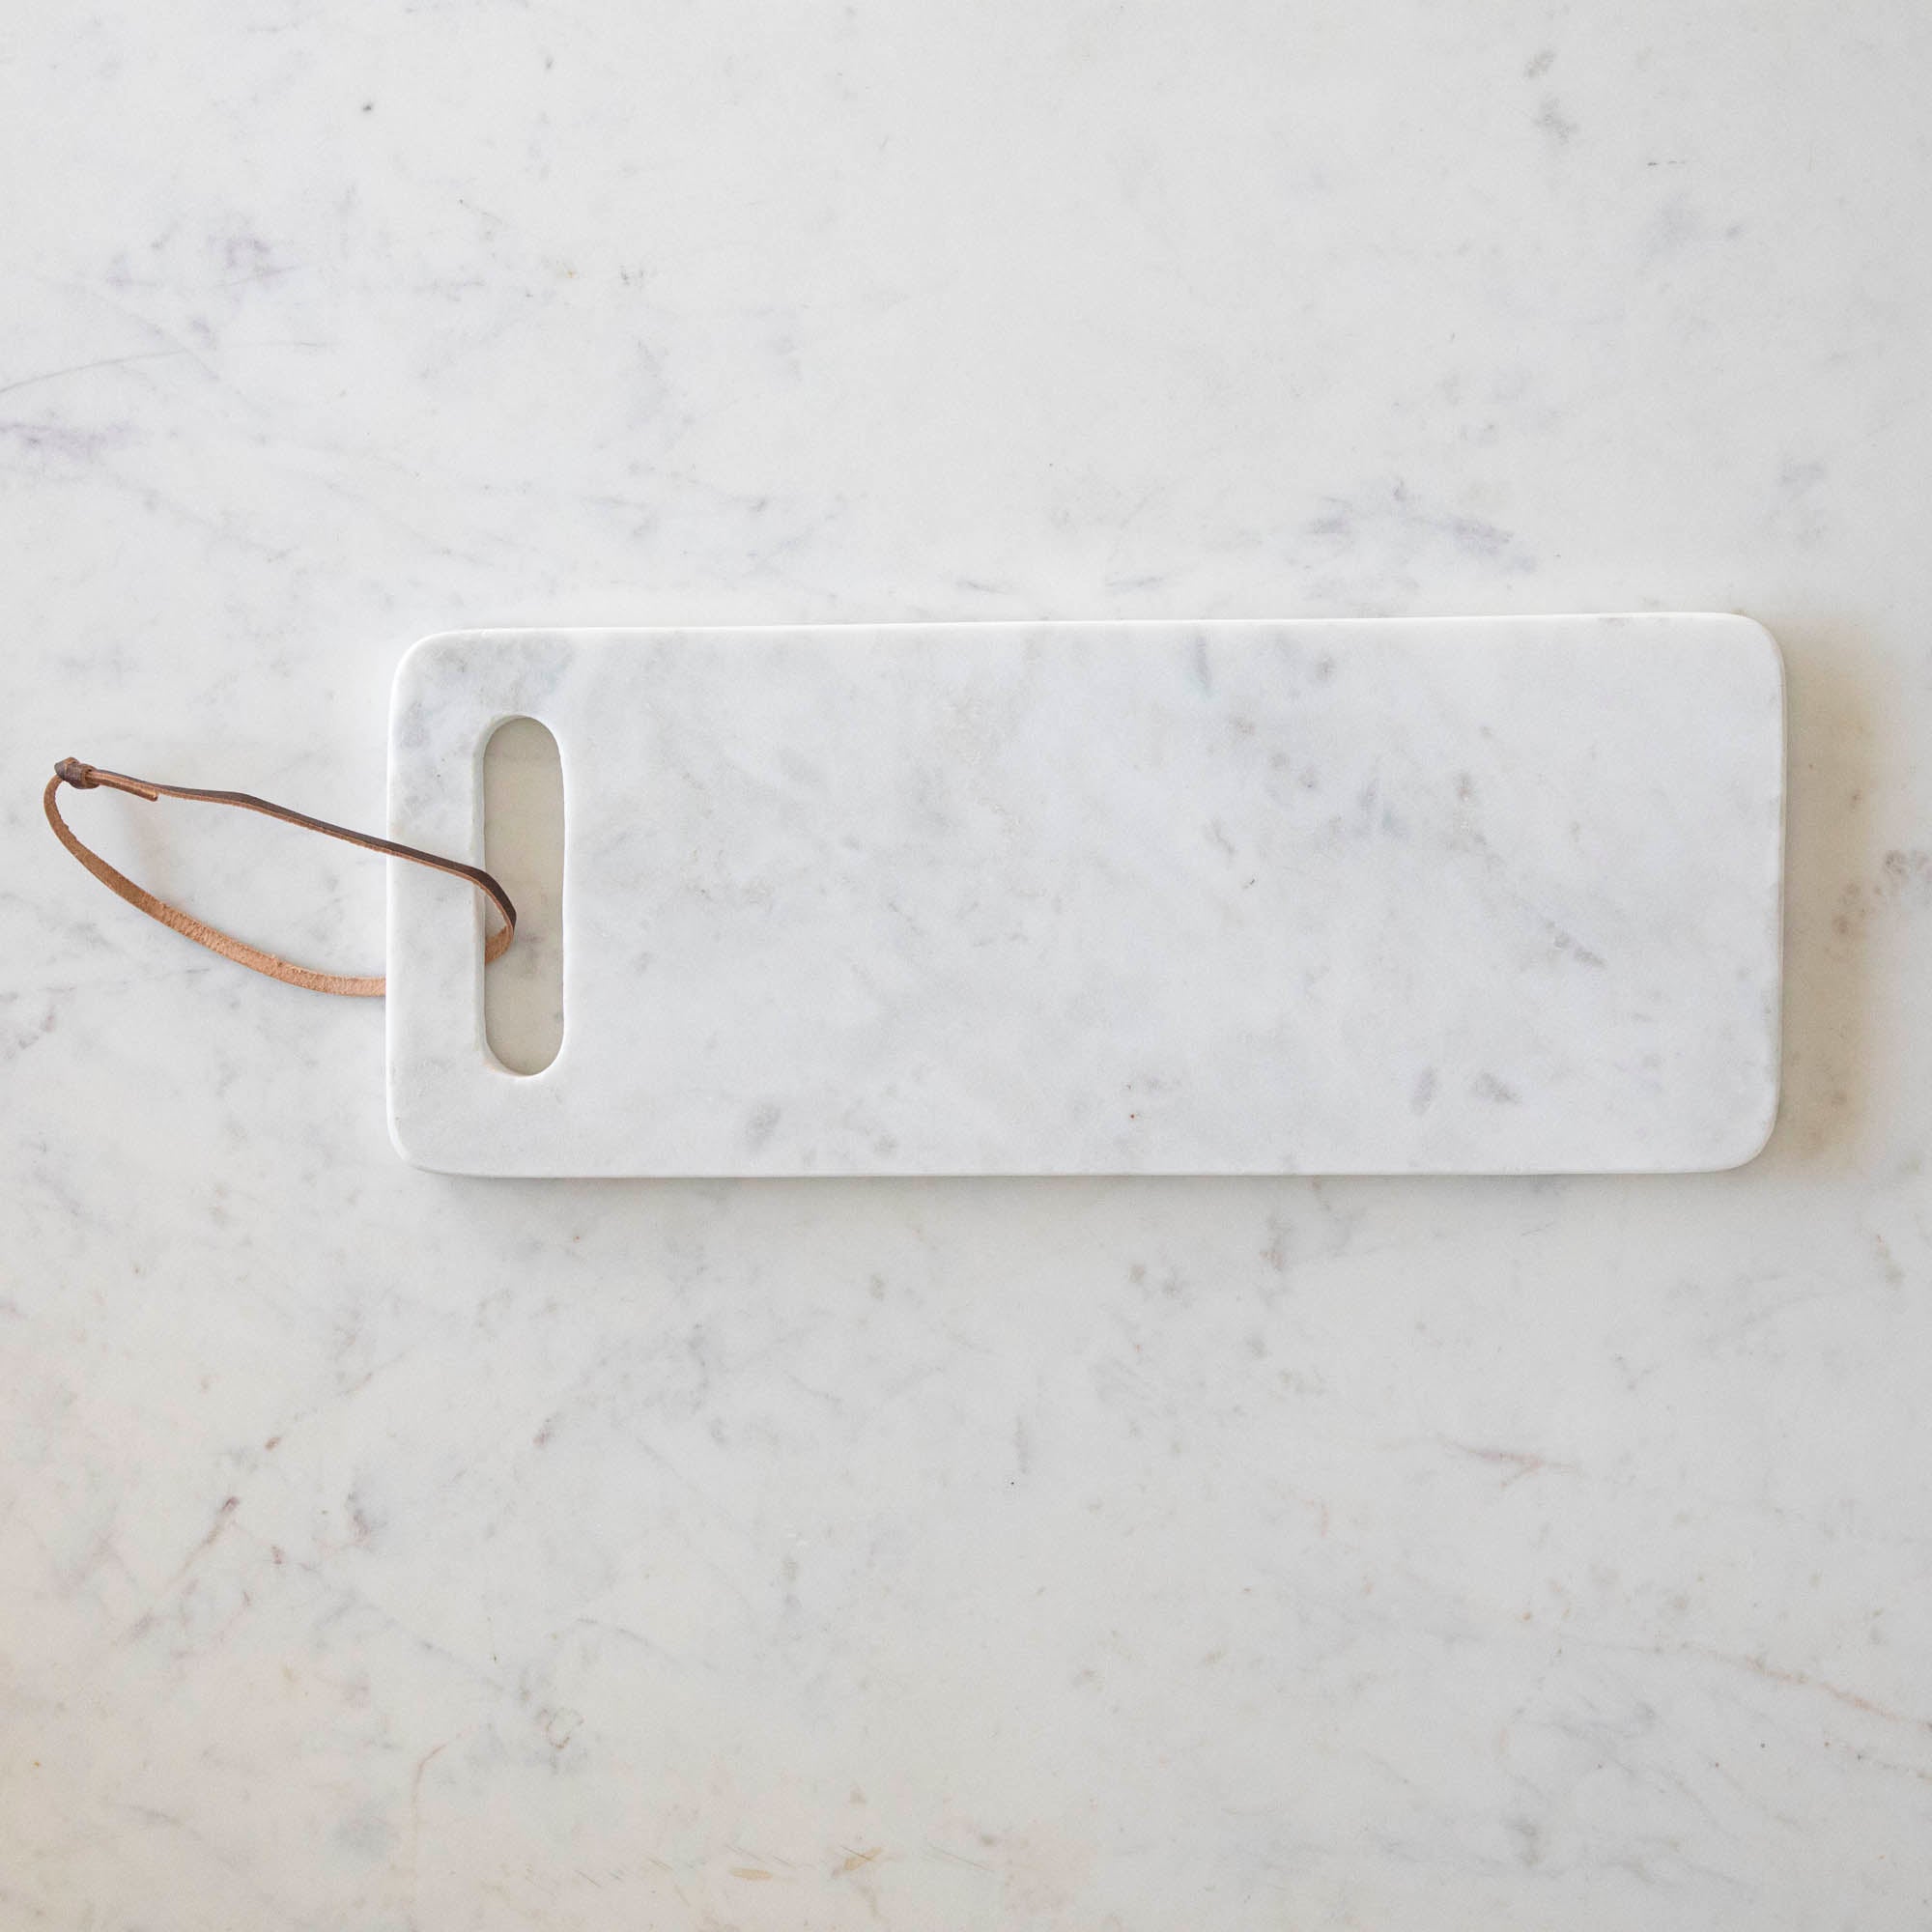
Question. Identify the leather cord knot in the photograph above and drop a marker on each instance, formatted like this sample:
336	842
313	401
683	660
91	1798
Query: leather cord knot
84	777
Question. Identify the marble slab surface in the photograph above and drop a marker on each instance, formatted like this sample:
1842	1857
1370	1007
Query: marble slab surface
1451	896
405	1552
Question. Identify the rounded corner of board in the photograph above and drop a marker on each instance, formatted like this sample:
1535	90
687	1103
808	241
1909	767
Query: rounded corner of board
428	654
1756	642
1755	1136
407	1141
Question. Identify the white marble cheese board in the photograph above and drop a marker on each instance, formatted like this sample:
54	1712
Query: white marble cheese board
1471	895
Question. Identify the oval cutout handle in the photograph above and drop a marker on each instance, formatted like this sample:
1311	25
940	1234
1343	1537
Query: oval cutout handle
522	845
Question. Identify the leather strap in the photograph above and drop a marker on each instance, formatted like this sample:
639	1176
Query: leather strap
86	777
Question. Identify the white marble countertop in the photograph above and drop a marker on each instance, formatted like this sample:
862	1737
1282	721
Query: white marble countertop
385	1551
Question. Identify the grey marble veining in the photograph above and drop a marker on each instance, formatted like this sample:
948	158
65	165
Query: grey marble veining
1461	896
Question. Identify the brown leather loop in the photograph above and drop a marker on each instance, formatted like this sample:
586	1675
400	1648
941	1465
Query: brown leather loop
87	778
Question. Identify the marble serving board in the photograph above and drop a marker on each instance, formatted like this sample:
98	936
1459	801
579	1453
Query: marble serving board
1481	896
